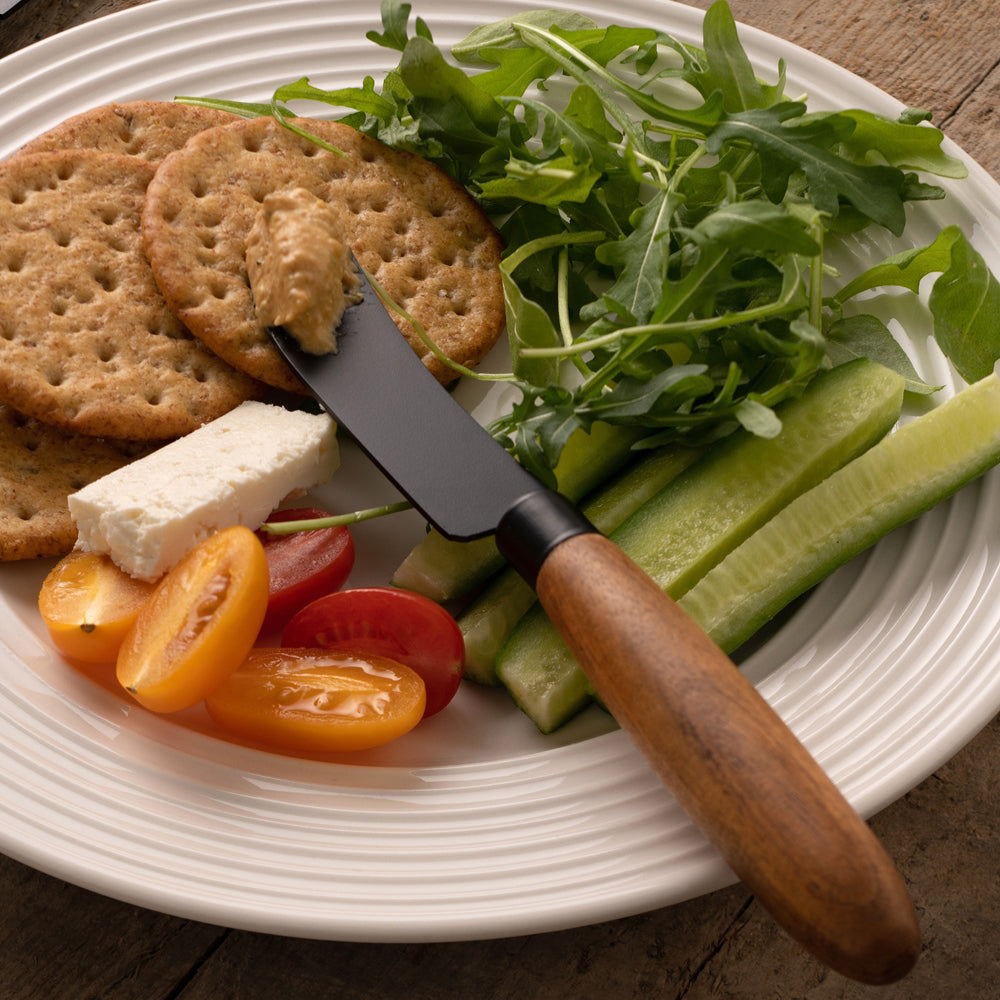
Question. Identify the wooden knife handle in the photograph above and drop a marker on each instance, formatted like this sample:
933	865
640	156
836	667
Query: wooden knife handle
746	781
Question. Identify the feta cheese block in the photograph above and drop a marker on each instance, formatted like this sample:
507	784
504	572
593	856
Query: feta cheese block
234	470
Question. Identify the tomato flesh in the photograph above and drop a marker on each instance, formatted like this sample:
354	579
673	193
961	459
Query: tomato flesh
303	565
198	624
386	621
315	701
88	605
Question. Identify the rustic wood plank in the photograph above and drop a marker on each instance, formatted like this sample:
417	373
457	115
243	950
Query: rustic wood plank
60	942
34	20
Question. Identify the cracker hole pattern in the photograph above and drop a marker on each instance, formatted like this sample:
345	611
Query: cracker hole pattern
14	262
107	280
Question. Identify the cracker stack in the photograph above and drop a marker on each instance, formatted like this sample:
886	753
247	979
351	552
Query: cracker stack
126	316
427	242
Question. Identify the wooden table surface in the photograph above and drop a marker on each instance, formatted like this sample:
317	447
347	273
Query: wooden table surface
59	941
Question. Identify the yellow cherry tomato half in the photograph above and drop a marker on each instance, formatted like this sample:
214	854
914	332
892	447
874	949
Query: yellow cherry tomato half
88	605
318	701
198	624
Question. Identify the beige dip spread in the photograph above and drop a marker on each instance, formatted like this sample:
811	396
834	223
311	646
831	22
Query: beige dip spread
300	268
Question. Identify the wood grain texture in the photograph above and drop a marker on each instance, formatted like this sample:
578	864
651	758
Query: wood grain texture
58	942
776	818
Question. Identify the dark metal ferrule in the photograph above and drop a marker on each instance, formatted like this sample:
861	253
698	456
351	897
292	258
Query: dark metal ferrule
535	524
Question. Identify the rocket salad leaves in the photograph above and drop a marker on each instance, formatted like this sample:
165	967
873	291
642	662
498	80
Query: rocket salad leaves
665	213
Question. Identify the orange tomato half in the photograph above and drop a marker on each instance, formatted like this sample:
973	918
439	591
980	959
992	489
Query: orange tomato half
88	605
199	623
315	701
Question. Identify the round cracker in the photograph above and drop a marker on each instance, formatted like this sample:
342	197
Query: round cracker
146	129
87	342
425	239
39	467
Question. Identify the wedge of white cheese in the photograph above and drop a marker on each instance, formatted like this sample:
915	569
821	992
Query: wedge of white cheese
234	470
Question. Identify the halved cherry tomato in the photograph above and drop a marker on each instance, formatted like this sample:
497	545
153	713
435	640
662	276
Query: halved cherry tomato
304	565
313	700
88	605
199	623
384	621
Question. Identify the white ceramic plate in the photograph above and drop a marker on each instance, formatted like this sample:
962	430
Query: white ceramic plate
474	825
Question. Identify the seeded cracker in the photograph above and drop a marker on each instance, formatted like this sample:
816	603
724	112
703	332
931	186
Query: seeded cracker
146	129
39	467
424	238
87	343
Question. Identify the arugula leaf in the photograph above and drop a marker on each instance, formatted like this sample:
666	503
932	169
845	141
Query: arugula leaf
866	336
363	98
476	47
786	143
964	299
640	260
906	269
729	70
395	18
651	400
529	325
900	144
965	304
426	73
758	419
757	226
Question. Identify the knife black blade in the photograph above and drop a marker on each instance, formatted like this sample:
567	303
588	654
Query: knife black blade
445	463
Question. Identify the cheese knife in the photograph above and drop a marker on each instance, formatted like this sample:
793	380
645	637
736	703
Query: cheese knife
746	781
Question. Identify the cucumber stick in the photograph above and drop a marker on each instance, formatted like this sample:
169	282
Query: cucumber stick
919	465
697	519
488	620
443	570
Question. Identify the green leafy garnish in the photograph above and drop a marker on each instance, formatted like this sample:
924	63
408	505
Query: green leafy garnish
667	214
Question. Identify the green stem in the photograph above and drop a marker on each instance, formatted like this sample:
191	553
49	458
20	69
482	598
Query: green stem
517	257
816	267
335	520
664	329
581	67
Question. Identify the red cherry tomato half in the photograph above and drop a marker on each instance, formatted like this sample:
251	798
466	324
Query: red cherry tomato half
303	565
384	621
